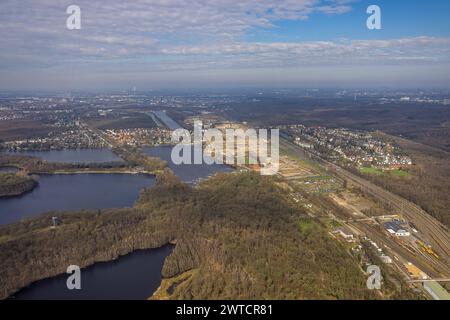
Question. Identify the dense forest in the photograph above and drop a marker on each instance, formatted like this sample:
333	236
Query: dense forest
22	129
238	234
136	158
133	158
12	184
37	165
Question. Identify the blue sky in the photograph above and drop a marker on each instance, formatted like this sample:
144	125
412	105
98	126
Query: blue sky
182	43
400	18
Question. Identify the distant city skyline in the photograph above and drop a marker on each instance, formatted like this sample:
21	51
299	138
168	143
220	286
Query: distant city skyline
159	44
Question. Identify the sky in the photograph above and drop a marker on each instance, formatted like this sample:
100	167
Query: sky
156	44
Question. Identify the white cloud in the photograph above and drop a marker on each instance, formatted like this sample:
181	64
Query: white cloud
38	26
151	36
425	49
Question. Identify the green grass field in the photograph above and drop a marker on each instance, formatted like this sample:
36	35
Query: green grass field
399	173
370	170
306	225
375	171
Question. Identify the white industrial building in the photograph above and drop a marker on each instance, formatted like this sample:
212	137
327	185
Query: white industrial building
395	229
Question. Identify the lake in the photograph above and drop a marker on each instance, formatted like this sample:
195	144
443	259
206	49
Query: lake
74	192
68	192
73	155
189	173
135	276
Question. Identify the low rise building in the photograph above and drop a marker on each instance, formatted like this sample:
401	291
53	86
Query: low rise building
346	234
386	259
396	229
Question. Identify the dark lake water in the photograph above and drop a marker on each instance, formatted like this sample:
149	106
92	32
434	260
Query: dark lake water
132	277
187	172
73	192
74	155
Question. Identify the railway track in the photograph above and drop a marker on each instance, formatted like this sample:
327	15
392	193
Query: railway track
430	227
432	268
435	232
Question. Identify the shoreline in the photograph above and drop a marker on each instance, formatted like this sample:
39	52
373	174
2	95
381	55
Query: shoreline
22	193
96	262
65	172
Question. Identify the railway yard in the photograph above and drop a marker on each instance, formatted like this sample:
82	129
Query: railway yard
408	239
